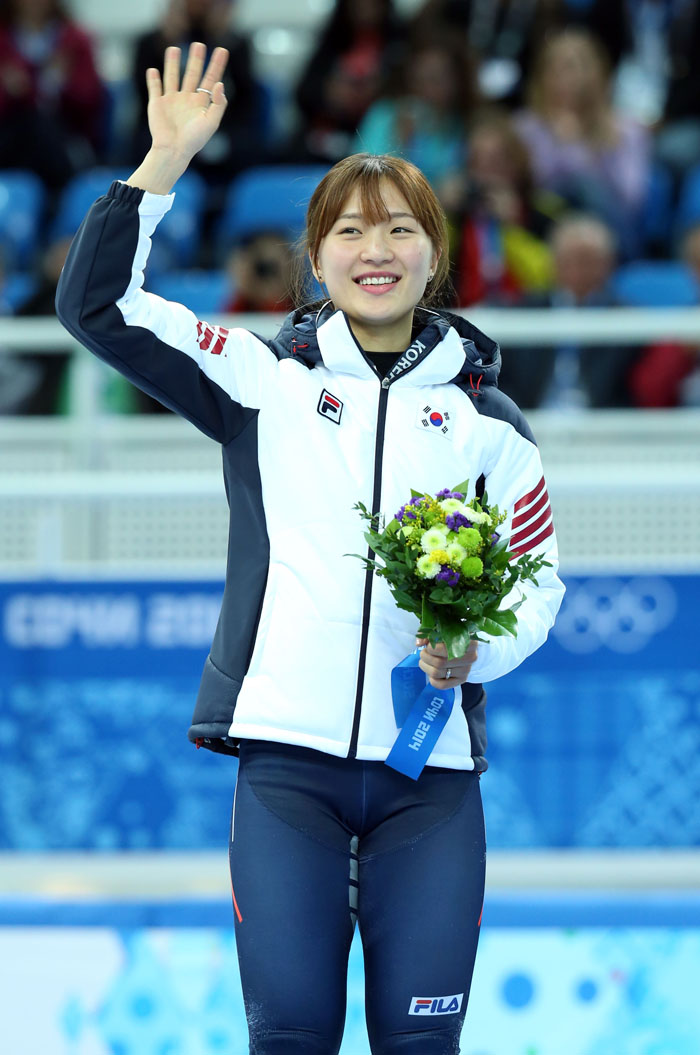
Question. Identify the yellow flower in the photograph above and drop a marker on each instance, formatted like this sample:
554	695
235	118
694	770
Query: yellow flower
440	555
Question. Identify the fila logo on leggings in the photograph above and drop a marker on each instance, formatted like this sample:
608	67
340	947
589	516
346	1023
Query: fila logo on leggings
436	1005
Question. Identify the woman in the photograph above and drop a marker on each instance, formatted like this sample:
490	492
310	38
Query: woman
51	97
355	49
425	115
581	147
499	218
328	413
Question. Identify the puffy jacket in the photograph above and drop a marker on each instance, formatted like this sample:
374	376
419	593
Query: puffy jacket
306	638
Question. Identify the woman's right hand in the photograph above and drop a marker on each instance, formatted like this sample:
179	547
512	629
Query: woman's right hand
181	117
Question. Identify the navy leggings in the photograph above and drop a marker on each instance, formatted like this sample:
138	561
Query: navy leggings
319	843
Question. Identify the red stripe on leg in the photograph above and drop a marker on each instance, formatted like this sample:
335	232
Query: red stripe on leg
235	905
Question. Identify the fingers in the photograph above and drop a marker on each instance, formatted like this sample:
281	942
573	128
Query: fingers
215	70
153	84
193	69
193	78
219	101
171	70
435	664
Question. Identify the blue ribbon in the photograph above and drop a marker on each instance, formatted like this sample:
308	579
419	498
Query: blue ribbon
421	713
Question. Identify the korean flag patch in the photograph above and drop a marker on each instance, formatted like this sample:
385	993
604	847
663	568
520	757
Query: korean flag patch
430	419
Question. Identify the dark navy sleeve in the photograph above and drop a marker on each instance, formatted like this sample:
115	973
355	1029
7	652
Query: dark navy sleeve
205	373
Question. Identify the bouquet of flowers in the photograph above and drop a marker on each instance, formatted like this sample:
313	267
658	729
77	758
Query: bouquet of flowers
445	561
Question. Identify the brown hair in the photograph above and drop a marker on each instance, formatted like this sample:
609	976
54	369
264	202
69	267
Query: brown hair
366	172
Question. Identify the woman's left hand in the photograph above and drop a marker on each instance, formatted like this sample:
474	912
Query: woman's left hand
434	661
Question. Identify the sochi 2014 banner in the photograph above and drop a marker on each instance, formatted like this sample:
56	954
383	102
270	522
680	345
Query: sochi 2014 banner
594	741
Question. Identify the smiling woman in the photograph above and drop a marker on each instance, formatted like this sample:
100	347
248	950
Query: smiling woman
376	237
324	835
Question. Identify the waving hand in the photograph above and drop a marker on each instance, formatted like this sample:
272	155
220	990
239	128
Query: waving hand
182	117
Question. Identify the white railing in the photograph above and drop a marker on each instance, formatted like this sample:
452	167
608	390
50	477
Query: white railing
519	327
98	493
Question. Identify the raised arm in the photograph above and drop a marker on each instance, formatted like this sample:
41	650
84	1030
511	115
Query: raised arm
214	378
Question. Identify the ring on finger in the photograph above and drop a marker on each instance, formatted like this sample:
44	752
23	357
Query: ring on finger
206	91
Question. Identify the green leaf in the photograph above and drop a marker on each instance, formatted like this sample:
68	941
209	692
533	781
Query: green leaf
505	617
463	488
489	626
427	618
442	595
456	637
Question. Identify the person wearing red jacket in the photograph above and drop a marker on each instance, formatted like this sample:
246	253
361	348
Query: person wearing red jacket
51	96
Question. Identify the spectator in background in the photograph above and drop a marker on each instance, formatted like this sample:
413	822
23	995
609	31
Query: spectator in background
355	50
51	97
260	269
580	146
35	383
499	219
571	375
239	141
678	140
667	374
424	116
501	33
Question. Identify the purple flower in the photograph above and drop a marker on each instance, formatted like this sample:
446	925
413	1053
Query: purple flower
494	538
399	515
455	521
446	493
416	500
447	575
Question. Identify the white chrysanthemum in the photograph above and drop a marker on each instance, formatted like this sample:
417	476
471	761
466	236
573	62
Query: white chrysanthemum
455	552
477	516
452	505
434	538
427	567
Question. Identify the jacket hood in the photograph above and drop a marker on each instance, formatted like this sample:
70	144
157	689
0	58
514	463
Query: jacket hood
482	356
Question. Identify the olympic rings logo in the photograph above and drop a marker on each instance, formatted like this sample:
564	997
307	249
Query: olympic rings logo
611	613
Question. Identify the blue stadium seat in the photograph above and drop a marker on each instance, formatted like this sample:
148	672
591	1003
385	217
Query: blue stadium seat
688	211
656	284
22	200
78	196
177	241
17	288
656	220
269	197
205	292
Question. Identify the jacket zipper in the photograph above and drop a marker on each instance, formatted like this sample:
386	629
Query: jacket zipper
369	575
376	502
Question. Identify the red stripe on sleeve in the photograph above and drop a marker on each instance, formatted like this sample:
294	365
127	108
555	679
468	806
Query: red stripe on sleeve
526	499
525	532
549	530
206	334
539	504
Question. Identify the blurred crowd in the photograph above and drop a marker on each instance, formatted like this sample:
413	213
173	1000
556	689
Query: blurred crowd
562	136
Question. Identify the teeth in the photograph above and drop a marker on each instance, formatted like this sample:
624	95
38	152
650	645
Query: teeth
377	281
